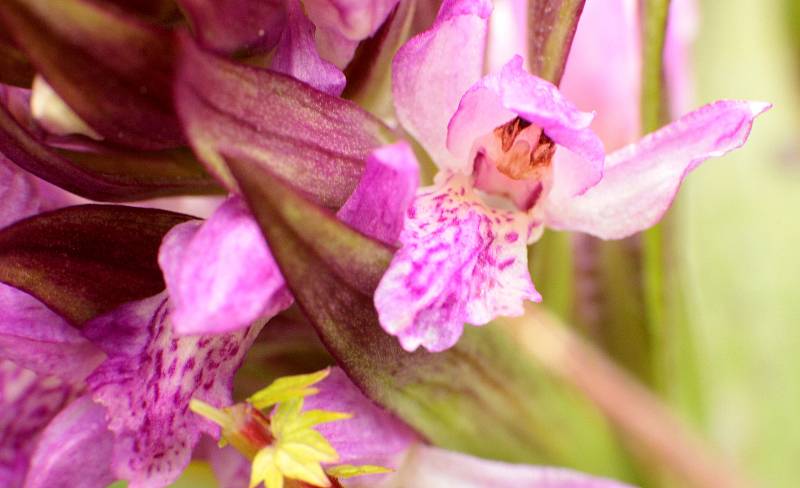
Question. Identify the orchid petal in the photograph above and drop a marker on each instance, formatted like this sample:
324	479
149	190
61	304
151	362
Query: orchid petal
220	274
36	338
27	403
378	205
371	436
297	56
433	69
316	141
498	98
231	468
17	192
353	19
641	180
603	72
236	26
147	382
461	261
74	449
433	467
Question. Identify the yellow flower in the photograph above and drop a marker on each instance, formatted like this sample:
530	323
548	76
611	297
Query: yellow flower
284	445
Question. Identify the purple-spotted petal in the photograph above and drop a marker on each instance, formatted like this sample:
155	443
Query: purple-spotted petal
641	179
36	338
433	69
378	205
231	26
296	54
498	98
371	436
220	274
433	467
147	382
27	403
74	449
461	262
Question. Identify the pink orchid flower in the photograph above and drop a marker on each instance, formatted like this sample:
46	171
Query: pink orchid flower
515	156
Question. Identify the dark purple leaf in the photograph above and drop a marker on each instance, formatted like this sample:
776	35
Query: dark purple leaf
82	261
114	175
114	70
316	141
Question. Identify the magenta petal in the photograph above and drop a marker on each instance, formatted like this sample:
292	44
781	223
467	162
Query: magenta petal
297	56
74	449
433	69
147	382
461	262
231	468
233	26
433	467
18	192
220	274
497	98
641	179
372	436
27	403
378	205
36	338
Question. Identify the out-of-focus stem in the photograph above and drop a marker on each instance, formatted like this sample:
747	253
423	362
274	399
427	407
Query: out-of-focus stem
657	435
551	27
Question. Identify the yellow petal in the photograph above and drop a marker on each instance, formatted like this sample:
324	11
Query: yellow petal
213	414
301	468
348	470
266	469
288	387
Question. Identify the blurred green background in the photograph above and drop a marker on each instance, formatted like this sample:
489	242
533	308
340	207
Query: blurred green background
740	235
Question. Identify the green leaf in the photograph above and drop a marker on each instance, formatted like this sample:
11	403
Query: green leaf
85	260
551	27
484	396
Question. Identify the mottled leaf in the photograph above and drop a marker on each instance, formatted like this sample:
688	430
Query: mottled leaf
84	260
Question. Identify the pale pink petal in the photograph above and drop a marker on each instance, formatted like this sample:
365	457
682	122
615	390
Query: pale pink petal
378	205
433	69
27	403
147	382
36	338
74	449
353	19
372	436
18	192
220	274
641	180
603	71
460	262
432	467
682	26
498	98
508	33
334	47
296	54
